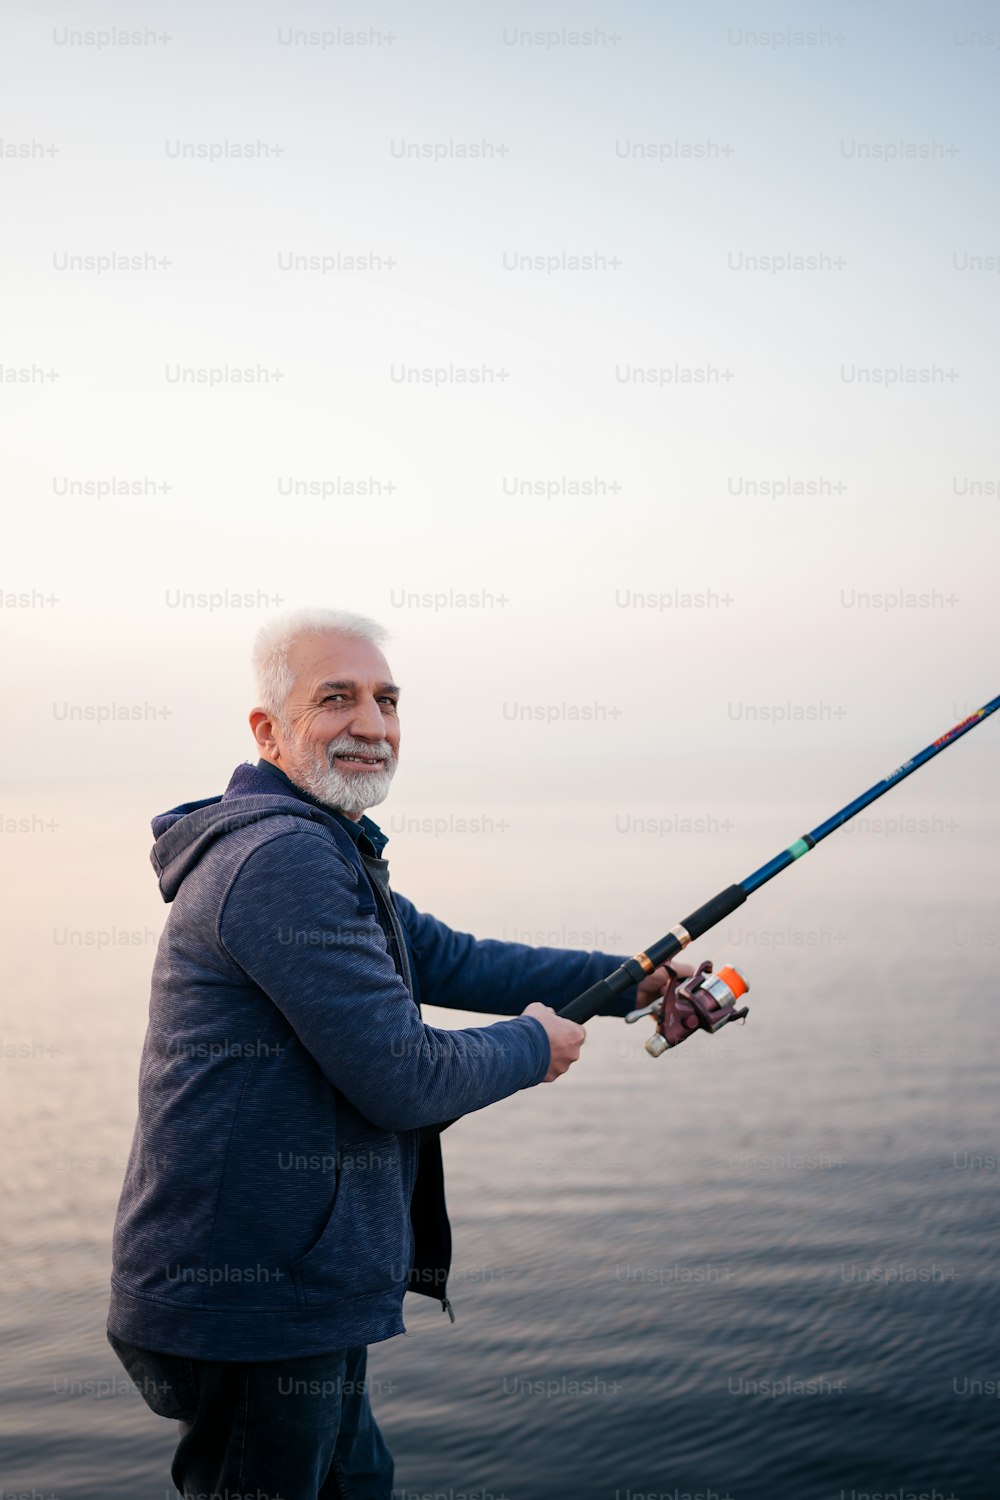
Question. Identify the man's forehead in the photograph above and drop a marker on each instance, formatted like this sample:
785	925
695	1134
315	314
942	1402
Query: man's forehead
321	657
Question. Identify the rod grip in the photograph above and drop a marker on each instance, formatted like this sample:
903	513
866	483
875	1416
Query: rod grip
713	911
601	994
593	1001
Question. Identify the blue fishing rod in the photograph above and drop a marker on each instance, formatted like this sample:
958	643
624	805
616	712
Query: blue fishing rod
706	1001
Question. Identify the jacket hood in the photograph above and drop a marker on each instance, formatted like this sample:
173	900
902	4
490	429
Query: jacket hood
184	833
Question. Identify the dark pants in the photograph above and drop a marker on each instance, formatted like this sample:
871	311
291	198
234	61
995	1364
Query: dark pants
287	1429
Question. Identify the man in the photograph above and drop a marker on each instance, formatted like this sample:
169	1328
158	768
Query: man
285	1184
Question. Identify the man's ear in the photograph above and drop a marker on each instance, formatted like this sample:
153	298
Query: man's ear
263	732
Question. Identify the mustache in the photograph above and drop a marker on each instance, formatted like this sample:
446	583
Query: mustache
348	745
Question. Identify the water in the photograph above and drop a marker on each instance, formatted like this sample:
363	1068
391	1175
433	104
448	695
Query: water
762	1266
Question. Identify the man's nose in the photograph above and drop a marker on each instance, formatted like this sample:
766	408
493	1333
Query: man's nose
367	723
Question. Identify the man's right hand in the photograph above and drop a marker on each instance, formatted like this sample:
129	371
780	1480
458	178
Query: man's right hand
565	1039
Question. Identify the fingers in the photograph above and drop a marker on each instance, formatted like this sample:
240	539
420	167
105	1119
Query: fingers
565	1038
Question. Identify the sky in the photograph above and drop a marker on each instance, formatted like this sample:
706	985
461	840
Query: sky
636	369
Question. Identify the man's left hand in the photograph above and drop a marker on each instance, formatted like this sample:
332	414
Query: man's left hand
663	981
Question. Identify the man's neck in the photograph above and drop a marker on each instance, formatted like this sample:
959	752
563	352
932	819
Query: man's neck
376	839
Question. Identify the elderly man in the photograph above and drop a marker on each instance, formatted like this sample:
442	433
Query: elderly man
285	1184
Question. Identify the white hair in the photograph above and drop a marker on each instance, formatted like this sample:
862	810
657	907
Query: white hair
275	638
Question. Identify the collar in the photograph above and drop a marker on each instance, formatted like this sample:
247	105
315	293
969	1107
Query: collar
367	835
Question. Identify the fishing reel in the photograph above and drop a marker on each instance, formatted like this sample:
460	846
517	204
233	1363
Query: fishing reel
708	1002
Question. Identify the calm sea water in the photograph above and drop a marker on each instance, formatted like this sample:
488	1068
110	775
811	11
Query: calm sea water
762	1267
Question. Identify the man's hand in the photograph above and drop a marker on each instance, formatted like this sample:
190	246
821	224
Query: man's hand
565	1038
659	982
663	981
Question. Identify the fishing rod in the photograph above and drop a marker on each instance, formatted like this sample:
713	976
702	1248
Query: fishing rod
706	1001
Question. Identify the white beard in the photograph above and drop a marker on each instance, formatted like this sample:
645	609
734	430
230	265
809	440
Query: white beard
350	792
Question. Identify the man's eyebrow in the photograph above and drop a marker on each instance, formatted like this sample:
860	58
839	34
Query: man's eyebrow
350	687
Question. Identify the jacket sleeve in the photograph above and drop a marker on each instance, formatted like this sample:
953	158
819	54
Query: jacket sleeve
290	921
462	972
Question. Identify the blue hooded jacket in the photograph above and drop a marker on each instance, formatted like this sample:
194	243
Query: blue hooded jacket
287	1081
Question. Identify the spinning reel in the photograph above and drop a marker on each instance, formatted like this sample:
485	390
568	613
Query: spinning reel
699	1002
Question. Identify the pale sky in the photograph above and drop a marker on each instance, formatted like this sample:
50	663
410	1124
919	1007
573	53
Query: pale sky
764	576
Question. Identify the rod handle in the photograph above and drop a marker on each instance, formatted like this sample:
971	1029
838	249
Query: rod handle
600	995
712	913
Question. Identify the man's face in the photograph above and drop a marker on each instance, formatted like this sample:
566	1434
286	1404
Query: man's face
341	739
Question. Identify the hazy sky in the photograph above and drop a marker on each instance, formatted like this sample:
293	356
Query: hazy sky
765	572
636	366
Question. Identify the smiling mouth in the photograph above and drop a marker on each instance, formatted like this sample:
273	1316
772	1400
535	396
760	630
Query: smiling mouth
360	762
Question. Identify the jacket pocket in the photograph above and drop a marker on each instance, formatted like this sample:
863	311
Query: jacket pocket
365	1244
